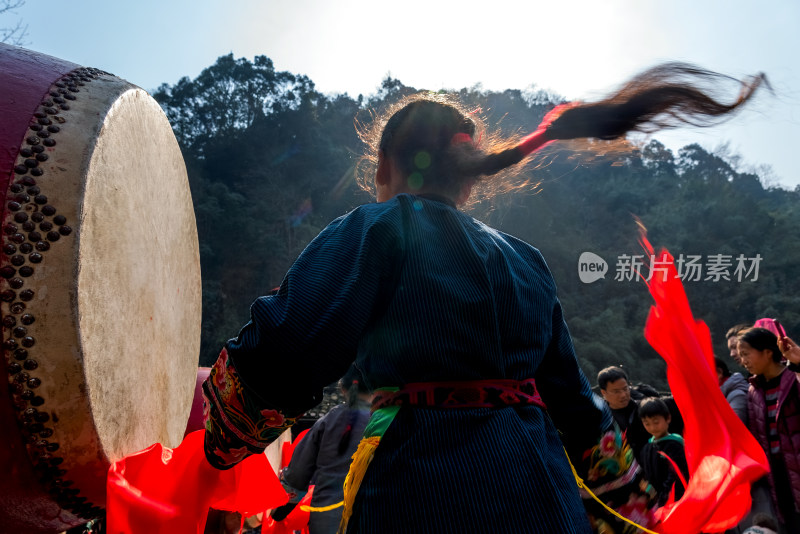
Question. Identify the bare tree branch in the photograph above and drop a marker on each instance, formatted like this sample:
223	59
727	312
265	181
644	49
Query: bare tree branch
8	5
17	33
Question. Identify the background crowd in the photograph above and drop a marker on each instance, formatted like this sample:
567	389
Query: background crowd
764	395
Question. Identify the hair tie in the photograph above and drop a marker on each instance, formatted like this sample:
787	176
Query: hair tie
538	139
461	137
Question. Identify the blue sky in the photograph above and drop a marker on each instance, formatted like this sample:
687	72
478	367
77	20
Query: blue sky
576	48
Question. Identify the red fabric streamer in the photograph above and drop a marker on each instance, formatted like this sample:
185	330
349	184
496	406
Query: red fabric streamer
723	457
296	521
288	447
169	491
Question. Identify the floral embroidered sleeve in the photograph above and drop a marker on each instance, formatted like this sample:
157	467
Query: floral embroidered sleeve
237	424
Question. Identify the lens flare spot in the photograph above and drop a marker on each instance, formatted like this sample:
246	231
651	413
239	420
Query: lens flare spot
418	205
415	181
301	213
288	153
422	160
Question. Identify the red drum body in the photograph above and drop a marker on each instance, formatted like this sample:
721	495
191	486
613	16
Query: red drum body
99	286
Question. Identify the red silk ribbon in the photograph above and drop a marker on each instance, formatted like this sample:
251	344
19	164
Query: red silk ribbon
723	457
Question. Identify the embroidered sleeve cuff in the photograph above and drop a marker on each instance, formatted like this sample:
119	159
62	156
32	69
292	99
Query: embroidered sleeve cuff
237	424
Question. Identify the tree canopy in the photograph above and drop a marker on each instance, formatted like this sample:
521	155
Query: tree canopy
271	161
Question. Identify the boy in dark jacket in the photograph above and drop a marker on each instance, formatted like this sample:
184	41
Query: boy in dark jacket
658	470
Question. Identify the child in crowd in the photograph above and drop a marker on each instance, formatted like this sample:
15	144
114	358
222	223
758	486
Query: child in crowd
656	455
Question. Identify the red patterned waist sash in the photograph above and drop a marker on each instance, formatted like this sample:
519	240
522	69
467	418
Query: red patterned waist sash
461	394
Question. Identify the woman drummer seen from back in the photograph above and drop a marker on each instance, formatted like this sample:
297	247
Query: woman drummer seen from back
457	325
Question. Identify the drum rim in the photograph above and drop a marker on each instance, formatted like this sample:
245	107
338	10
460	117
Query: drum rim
23	190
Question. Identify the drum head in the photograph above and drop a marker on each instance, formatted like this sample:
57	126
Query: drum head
137	280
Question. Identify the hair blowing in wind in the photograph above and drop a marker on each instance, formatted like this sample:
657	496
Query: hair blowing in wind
461	148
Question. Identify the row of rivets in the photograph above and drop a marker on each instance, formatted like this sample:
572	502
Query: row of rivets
27	237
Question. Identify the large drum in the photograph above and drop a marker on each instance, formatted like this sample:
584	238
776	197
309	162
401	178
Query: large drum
100	286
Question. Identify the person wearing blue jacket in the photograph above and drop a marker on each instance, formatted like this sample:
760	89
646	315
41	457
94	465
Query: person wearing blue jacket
480	400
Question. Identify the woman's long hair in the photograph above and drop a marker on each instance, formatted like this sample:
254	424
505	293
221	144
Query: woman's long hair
438	144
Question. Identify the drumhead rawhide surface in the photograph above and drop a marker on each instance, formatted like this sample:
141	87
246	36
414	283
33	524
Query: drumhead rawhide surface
100	286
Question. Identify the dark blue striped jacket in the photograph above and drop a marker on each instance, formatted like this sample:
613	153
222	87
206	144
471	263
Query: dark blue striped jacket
415	290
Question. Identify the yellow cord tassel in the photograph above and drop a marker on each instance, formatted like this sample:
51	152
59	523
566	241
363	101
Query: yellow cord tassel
361	460
307	508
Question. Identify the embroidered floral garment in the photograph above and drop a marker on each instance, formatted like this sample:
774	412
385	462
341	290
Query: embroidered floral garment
237	425
612	473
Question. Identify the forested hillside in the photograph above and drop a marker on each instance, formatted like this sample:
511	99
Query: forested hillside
271	161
